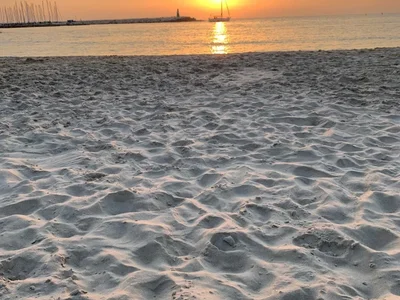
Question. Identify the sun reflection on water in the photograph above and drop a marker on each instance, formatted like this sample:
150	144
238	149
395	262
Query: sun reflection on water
220	39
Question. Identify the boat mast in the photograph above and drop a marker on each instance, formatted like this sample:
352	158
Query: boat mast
222	10
227	8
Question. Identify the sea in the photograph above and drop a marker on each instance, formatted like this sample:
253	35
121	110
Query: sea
237	36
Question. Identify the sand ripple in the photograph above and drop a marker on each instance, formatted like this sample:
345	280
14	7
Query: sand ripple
251	176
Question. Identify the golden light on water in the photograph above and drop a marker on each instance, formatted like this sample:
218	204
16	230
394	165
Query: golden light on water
220	39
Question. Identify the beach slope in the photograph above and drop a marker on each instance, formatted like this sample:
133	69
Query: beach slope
250	176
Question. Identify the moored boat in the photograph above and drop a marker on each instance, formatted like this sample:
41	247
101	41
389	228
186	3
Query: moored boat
222	18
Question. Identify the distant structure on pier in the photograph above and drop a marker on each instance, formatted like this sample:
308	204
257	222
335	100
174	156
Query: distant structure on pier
178	15
30	13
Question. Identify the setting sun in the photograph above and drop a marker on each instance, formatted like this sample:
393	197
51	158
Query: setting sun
215	4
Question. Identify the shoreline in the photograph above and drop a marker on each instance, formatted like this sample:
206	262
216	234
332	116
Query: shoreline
283	52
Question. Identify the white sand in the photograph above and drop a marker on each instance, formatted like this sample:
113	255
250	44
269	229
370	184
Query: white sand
251	176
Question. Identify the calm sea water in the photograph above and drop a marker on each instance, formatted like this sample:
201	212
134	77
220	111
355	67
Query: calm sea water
261	35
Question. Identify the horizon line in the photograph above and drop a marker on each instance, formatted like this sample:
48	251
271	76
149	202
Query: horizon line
249	18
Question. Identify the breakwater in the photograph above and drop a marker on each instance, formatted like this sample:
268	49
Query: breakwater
99	22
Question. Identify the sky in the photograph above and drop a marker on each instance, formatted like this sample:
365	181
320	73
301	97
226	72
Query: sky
202	9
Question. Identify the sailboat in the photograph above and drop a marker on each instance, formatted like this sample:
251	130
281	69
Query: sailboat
221	18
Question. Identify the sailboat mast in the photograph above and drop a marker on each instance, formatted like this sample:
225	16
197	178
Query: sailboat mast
222	10
227	8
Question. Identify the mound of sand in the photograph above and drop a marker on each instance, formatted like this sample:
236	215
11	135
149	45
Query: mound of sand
251	176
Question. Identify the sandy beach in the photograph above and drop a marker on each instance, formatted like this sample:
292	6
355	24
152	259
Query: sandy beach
248	176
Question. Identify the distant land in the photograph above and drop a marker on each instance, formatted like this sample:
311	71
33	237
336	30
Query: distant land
100	22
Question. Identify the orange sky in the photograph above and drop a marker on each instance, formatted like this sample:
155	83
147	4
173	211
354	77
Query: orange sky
105	9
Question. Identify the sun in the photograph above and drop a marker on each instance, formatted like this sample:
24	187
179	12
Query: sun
208	3
214	4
